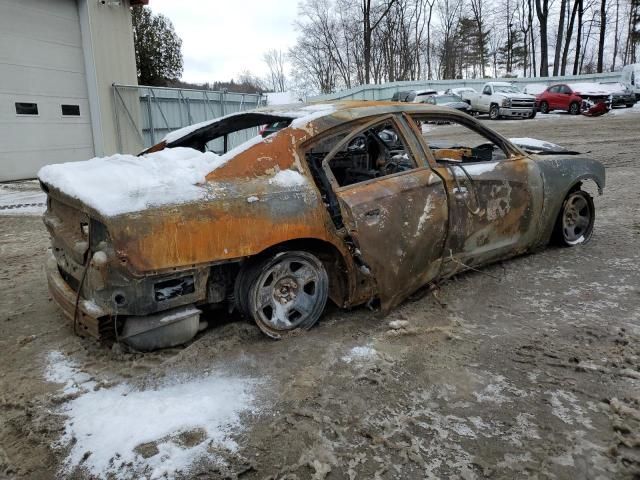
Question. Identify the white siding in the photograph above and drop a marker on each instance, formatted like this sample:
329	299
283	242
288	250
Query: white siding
41	61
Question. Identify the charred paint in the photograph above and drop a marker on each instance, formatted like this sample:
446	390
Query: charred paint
400	231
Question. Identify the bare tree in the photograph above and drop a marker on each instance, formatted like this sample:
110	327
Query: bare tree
275	60
369	25
542	11
603	29
559	37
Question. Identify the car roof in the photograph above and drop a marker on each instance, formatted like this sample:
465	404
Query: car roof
315	117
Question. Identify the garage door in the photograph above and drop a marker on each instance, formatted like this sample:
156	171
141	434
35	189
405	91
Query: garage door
44	110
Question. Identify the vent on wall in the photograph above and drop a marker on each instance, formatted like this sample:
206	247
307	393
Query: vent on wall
73	110
26	108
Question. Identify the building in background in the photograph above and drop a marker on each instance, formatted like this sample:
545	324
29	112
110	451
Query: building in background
58	61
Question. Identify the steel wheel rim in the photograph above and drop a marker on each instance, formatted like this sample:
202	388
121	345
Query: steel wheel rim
576	219
287	293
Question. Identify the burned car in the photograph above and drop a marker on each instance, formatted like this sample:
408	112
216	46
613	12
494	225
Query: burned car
350	202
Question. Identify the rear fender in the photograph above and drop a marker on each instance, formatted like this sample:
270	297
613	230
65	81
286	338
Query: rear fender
561	175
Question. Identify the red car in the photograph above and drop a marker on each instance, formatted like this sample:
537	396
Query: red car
588	99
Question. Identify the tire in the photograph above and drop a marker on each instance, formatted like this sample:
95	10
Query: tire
494	112
287	292
575	221
544	107
629	105
574	108
532	115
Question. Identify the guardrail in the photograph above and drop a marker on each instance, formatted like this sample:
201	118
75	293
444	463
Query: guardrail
385	91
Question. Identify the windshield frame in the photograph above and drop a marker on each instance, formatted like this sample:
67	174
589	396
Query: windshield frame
506	89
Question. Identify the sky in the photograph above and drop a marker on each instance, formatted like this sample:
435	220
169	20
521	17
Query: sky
223	38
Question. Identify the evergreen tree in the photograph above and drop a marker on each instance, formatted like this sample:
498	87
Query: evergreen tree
158	48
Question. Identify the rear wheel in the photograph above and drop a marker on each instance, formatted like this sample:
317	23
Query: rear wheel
575	222
544	107
288	291
494	112
574	108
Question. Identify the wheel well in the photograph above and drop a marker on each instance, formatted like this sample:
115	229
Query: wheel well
591	183
329	254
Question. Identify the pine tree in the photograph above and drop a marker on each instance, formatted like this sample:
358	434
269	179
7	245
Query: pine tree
158	48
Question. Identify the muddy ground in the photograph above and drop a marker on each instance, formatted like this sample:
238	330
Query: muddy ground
529	369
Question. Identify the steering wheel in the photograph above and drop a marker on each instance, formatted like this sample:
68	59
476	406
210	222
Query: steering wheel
383	147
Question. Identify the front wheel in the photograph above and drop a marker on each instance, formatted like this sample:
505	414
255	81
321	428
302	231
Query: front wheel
575	221
532	115
288	291
494	112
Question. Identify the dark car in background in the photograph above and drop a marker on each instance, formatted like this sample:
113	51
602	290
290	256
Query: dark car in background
412	96
621	94
449	100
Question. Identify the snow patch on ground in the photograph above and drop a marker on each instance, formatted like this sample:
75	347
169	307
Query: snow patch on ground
22	198
565	406
106	428
359	353
61	369
288	178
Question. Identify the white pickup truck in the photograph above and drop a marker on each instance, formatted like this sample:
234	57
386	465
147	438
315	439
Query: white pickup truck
502	99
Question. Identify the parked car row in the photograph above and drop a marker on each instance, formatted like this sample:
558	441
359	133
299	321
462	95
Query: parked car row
506	100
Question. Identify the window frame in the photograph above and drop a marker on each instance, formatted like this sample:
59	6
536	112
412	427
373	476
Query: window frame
63	115
400	131
511	151
37	114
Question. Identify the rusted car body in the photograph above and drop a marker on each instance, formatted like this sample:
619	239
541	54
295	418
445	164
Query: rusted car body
379	237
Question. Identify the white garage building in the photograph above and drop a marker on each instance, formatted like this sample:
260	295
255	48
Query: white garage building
58	61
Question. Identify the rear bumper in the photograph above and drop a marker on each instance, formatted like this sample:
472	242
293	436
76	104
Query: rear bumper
516	112
90	319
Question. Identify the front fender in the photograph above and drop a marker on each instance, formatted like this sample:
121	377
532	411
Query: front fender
560	175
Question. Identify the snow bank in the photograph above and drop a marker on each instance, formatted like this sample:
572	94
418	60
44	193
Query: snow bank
111	424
